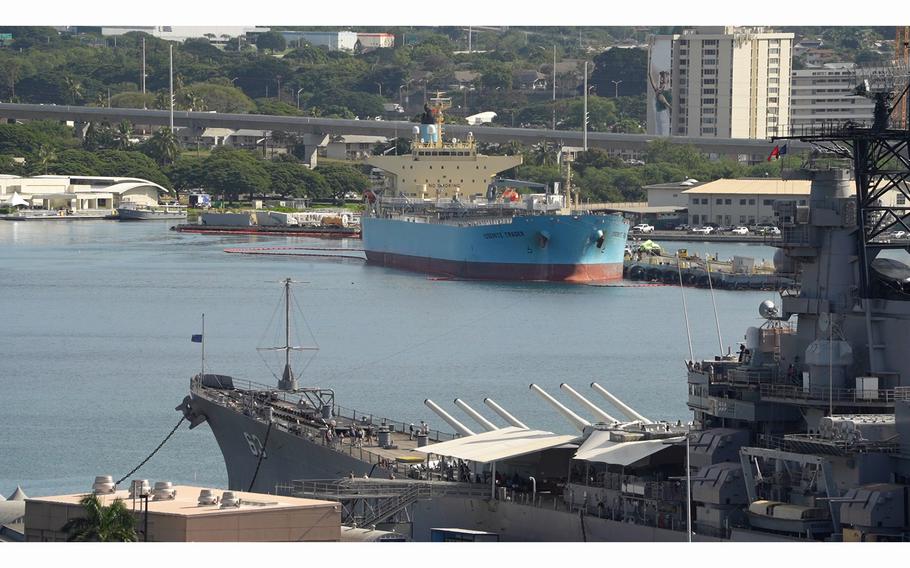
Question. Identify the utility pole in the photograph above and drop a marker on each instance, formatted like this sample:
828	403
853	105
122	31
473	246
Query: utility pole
469	40
554	87
171	49
585	121
143	66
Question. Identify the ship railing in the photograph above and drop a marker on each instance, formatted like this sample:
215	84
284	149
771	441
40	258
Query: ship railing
837	394
366	489
395	425
810	443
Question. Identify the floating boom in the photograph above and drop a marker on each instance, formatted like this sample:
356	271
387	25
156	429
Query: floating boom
484	423
575	419
595	410
459	427
623	407
502	412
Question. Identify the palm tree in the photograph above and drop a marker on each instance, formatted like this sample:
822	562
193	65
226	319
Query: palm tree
543	155
123	135
163	146
114	523
74	88
46	155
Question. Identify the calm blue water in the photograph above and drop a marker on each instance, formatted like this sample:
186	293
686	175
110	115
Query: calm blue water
96	352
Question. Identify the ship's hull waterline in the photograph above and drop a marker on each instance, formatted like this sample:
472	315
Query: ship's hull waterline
585	249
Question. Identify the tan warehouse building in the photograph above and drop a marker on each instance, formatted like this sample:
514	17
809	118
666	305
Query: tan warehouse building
257	518
742	201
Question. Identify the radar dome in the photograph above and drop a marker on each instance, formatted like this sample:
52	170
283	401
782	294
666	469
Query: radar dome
768	310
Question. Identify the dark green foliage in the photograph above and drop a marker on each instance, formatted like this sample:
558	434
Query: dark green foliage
112	523
342	178
626	65
231	173
293	179
271	41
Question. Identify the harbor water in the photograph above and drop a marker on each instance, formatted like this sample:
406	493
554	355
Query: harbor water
97	319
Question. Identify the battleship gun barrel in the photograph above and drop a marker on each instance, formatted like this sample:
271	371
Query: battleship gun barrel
600	414
575	419
502	412
459	427
486	424
623	407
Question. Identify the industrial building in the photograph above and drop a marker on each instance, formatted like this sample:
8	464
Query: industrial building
742	201
334	41
184	513
721	81
370	41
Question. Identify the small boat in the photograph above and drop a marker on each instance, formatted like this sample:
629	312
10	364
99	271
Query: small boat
135	212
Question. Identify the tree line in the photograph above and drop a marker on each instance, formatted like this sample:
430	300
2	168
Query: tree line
45	147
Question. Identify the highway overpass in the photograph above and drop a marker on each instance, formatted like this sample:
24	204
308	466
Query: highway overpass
756	149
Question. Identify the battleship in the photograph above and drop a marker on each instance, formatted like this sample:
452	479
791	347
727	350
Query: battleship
802	434
453	223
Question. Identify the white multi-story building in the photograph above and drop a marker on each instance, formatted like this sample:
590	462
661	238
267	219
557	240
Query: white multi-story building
183	33
823	95
722	82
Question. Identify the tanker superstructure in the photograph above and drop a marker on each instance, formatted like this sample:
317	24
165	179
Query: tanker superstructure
442	216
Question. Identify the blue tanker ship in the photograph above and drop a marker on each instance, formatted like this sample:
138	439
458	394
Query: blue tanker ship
548	247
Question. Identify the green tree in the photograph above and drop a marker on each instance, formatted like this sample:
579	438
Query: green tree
161	147
112	523
217	97
271	41
133	99
98	136
627	65
187	173
294	179
123	135
73	89
232	172
342	179
45	156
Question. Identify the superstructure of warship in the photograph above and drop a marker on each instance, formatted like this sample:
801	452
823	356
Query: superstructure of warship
803	434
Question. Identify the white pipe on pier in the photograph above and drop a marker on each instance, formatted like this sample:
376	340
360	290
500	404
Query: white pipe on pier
459	427
595	410
575	419
486	424
504	414
620	405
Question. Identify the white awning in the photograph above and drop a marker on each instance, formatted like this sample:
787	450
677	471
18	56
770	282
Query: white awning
597	442
17	200
627	453
498	445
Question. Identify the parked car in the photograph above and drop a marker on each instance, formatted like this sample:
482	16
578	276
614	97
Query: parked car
642	228
683	227
740	231
702	230
773	231
900	235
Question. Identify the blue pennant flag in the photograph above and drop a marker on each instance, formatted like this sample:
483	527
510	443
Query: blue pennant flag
197	338
783	149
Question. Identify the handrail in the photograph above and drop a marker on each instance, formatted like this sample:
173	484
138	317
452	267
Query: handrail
838	394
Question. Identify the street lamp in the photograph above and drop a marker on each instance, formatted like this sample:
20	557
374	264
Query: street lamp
234	79
616	88
406	100
380	88
298	97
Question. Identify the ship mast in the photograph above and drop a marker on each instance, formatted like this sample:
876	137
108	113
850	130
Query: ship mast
288	381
